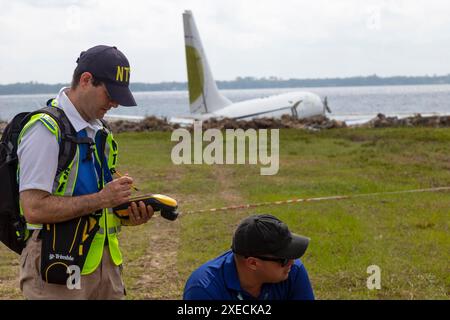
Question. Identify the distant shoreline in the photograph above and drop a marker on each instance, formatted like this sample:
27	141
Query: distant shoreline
247	83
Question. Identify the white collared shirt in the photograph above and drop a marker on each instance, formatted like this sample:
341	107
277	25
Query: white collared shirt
38	150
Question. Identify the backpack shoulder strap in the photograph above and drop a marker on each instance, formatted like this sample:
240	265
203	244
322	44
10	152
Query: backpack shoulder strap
68	137
56	120
106	126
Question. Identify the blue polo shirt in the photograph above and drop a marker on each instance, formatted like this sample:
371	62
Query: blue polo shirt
217	279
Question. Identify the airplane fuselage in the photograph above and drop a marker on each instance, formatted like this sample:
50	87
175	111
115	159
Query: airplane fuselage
274	106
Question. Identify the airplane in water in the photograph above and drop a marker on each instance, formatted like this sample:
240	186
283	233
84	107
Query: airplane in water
205	100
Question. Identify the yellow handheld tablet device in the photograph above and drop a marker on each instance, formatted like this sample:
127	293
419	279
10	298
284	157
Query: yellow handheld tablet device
159	202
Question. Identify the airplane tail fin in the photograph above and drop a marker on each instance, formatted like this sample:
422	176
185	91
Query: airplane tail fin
204	97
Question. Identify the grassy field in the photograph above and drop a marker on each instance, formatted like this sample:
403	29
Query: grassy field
406	235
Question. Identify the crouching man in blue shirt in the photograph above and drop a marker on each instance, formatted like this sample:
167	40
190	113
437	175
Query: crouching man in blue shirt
262	265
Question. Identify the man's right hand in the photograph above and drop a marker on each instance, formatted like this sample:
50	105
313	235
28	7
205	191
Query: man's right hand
116	192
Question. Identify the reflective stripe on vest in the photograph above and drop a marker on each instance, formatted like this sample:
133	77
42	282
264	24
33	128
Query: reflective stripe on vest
64	183
110	230
80	178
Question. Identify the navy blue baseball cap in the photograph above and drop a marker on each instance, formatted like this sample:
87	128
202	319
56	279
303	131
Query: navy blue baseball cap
110	66
264	235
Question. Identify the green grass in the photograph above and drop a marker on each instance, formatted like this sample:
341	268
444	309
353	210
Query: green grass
406	235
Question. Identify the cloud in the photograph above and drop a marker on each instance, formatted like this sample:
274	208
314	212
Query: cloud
41	40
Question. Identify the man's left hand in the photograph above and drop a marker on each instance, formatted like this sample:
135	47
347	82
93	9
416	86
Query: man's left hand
139	214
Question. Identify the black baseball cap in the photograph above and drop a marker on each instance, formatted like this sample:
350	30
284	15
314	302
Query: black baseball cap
266	235
110	66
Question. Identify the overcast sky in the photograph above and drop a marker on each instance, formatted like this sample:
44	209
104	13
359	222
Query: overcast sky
40	40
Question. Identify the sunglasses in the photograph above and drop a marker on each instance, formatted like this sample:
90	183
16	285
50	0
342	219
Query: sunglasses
282	261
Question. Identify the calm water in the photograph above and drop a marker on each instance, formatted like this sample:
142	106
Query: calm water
347	103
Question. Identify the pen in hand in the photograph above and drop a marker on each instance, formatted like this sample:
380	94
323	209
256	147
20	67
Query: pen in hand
120	175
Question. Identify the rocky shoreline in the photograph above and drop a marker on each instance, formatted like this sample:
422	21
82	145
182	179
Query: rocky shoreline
314	123
158	124
381	121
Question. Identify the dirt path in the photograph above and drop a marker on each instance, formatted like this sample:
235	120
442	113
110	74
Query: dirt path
228	185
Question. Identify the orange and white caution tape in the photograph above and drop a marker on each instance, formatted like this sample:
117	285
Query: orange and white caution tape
261	204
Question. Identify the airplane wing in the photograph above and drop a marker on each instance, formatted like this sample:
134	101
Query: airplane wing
181	121
190	120
293	109
259	113
185	121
